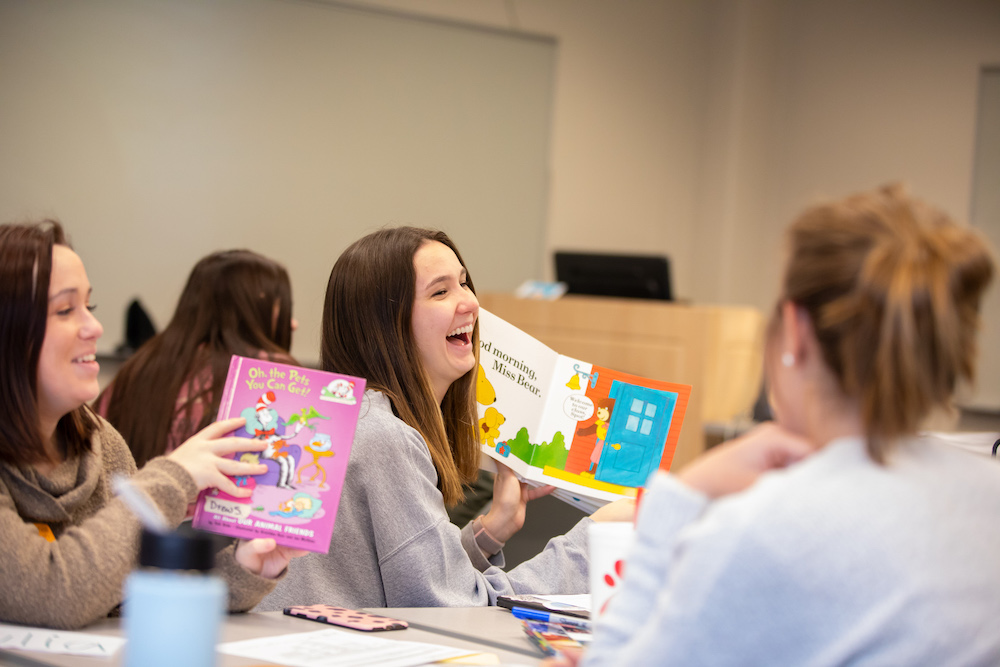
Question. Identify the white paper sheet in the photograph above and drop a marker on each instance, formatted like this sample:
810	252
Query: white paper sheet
339	648
45	640
579	600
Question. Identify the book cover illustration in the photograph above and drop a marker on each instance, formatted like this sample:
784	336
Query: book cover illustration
307	417
595	433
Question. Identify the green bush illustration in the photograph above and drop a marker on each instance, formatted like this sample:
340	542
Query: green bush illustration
546	454
551	453
520	447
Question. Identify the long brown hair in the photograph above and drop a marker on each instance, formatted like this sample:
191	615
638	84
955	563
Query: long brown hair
226	308
892	287
25	270
368	331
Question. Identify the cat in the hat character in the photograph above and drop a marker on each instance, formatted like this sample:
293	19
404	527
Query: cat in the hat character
262	424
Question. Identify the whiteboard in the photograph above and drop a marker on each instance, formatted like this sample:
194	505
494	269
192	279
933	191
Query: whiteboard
158	131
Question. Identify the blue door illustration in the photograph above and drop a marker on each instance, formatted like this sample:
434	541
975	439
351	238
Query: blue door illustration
636	434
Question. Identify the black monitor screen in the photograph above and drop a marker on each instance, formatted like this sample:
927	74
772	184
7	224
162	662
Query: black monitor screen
635	276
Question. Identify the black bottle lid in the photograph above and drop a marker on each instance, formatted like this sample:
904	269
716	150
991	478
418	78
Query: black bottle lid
173	551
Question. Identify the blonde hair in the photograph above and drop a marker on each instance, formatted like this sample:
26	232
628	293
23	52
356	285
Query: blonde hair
892	287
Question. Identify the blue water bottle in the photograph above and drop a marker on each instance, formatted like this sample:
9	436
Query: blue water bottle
173	606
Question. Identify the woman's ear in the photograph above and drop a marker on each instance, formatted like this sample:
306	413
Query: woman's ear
797	334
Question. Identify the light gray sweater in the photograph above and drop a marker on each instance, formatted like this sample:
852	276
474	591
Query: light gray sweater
834	561
393	545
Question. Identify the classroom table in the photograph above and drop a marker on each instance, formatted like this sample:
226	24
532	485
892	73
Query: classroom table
492	627
479	629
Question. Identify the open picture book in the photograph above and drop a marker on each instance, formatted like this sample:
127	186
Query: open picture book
594	433
307	418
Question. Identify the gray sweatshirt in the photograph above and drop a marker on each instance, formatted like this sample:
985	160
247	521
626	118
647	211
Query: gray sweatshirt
836	560
393	545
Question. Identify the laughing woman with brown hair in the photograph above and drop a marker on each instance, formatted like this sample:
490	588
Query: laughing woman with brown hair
401	311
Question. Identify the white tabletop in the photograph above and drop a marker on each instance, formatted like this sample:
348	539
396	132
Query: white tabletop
479	629
493	627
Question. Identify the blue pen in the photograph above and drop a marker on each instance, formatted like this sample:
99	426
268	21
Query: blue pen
535	615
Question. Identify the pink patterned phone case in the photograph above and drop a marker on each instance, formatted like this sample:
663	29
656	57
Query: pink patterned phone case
348	618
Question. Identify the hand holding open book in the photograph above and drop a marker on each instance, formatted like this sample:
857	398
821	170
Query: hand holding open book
594	433
510	498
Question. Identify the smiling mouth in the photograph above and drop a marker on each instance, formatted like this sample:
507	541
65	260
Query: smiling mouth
462	335
85	358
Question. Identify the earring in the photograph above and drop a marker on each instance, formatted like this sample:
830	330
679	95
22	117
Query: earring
788	359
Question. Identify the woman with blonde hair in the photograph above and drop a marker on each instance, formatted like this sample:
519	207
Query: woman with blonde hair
401	312
839	534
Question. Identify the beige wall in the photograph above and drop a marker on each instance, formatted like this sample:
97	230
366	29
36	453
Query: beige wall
837	97
867	92
698	129
162	130
631	86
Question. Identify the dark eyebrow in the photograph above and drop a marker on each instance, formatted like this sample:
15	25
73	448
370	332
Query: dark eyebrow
69	290
445	278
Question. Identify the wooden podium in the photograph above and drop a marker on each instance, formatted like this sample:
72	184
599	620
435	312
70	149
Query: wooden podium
716	349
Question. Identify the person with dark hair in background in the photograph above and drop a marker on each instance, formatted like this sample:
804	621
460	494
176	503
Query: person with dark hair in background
67	542
234	302
838	534
401	312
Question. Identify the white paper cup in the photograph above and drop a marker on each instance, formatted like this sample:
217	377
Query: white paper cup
609	544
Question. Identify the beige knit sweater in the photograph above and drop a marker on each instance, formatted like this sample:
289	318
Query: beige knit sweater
74	576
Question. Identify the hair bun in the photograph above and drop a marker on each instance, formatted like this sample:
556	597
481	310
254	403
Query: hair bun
893	287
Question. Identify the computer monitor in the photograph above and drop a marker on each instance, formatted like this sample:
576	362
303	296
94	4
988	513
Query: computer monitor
634	276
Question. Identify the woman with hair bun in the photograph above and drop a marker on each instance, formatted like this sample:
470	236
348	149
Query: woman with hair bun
839	534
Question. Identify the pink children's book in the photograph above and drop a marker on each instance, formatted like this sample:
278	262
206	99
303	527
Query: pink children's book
307	418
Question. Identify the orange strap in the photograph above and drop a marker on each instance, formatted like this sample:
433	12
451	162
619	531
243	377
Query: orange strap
45	531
